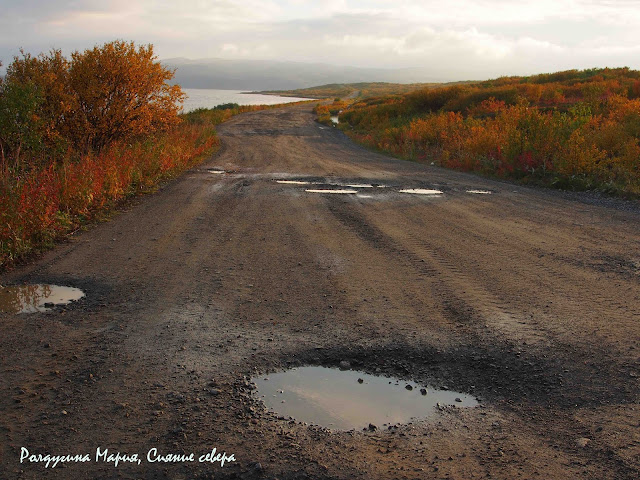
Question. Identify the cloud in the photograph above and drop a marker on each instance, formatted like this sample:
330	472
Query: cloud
465	37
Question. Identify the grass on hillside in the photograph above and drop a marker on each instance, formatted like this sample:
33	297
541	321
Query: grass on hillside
578	129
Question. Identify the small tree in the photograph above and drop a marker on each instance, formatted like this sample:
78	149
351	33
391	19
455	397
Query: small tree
111	92
121	92
20	126
48	75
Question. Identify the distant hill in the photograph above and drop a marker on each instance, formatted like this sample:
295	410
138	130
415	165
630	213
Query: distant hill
275	75
357	90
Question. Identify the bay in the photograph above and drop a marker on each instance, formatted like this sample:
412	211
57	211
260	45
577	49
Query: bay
209	98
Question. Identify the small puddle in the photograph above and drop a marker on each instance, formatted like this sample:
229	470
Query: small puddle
347	399
36	298
293	182
359	185
330	191
216	171
421	191
479	192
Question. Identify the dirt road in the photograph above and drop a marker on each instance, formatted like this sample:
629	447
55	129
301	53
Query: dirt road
528	299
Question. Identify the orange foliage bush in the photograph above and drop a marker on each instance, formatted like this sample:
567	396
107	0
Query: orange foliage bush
112	92
41	204
578	129
121	92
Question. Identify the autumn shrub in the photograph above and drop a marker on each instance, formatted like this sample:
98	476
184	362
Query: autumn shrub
323	113
20	126
575	129
112	92
39	205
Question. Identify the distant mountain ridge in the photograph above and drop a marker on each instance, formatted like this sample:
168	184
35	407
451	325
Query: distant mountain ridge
278	75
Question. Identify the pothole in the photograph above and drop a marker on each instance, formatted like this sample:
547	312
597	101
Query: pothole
479	192
293	182
348	399
330	191
359	185
36	298
421	191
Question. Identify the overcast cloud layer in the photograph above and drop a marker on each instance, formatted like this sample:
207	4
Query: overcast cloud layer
457	39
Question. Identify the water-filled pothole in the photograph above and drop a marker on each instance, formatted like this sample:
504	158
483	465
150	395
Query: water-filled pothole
217	171
311	190
421	191
348	399
36	298
359	185
293	182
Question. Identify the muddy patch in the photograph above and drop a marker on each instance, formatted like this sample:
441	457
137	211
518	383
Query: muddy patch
36	298
348	399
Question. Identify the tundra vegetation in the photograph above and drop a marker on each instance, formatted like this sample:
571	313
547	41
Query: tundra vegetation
572	129
78	135
360	90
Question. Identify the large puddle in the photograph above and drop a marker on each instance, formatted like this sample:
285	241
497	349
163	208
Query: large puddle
293	182
359	185
347	399
36	298
421	191
317	190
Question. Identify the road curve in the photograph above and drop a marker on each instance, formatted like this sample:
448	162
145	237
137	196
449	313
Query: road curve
527	298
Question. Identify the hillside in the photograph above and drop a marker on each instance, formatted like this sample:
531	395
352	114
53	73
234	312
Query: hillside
279	75
360	89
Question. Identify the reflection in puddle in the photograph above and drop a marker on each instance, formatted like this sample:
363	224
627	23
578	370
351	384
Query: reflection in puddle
36	298
479	192
359	185
215	170
293	182
330	191
365	196
347	399
421	191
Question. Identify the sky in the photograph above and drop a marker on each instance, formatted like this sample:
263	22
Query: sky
456	39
